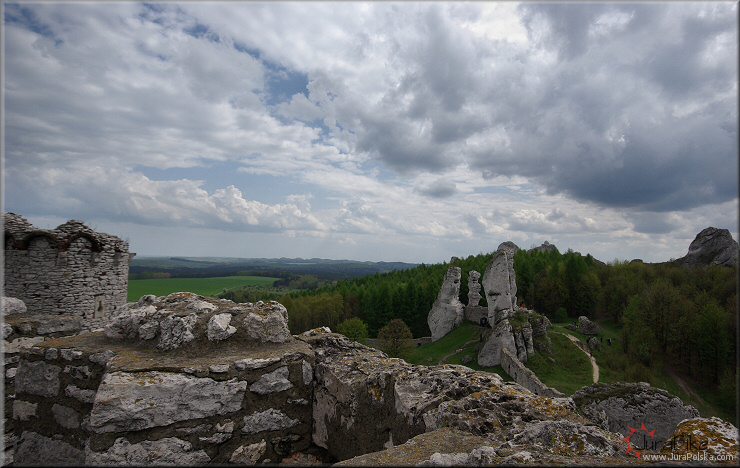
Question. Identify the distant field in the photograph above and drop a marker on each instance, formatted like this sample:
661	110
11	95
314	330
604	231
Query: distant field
202	286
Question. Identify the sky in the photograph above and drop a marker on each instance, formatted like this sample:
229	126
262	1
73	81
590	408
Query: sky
375	131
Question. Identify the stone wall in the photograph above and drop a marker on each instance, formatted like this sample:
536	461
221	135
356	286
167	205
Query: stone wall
524	376
70	270
172	381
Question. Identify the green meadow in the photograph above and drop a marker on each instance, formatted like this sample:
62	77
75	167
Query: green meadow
202	286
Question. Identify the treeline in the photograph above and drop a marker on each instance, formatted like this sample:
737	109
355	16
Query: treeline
684	317
379	298
286	269
560	286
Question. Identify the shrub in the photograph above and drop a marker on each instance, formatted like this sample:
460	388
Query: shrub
354	329
396	337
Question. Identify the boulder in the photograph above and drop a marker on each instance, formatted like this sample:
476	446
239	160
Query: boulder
712	246
12	305
587	327
447	311
714	436
593	343
501	336
618	406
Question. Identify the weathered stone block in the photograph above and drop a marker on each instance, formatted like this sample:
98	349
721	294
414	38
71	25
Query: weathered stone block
37	378
136	401
65	416
218	327
268	420
24	410
34	449
273	382
249	454
167	451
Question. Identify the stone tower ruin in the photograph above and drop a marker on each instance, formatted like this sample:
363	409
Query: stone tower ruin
70	270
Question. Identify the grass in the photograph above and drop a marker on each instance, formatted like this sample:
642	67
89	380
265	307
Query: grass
571	369
202	286
614	366
449	343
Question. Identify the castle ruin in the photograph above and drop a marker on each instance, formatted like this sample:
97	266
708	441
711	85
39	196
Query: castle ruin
70	270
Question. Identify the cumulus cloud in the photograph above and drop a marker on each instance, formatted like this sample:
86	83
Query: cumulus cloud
450	120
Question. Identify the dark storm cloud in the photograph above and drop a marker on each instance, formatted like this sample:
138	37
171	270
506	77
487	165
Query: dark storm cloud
637	111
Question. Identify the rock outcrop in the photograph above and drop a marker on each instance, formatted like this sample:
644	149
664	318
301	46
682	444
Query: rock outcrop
712	246
474	288
366	402
499	283
545	247
618	406
587	327
502	336
447	311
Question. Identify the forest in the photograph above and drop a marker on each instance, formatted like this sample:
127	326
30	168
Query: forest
668	314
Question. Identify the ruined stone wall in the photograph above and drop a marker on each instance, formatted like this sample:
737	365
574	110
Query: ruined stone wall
70	270
186	380
524	376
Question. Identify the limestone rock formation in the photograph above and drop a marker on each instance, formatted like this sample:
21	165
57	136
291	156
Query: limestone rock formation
510	248
712	246
447	311
587	327
365	402
502	336
497	286
474	288
618	406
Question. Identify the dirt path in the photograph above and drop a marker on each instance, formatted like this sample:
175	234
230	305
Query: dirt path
682	383
442	361
594	366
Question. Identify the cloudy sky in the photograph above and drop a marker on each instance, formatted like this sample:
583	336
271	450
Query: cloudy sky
374	131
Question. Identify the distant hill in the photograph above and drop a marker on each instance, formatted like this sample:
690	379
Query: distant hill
204	267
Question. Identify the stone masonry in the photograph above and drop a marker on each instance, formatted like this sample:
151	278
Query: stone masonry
70	270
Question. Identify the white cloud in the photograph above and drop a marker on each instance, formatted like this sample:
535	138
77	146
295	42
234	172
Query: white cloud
432	125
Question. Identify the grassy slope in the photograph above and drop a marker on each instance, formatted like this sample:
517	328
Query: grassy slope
613	367
202	286
571	369
448	344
